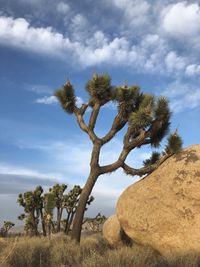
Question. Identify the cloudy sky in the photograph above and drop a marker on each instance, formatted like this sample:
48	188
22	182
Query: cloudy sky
155	44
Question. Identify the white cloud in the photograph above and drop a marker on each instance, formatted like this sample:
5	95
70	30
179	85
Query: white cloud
19	33
79	101
88	49
10	169
63	8
174	62
182	19
182	96
47	100
135	11
193	70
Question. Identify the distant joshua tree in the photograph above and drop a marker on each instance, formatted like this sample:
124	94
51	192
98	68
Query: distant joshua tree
32	202
41	207
147	121
95	224
7	225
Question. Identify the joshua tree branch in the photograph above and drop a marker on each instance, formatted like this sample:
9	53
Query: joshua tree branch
128	146
83	108
139	140
117	125
144	170
84	127
117	164
94	115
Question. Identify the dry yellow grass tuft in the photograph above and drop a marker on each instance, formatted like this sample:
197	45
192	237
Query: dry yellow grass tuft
94	251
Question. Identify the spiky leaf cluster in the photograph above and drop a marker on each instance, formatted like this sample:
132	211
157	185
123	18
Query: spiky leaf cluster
71	199
153	159
66	97
143	116
161	124
58	192
127	98
49	203
99	88
174	144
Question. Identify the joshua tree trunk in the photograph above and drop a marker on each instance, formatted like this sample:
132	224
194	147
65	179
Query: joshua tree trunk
78	219
70	222
59	217
43	223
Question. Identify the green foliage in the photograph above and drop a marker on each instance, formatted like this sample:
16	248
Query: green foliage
140	120
49	203
127	98
162	110
153	159
41	207
161	124
66	97
99	88
7	225
126	93
174	144
32	202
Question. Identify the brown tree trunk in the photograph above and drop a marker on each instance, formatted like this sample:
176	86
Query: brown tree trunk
67	222
78	219
43	223
59	216
70	221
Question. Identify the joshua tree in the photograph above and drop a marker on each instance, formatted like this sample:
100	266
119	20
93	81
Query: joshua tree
49	205
96	222
7	225
32	202
58	193
147	120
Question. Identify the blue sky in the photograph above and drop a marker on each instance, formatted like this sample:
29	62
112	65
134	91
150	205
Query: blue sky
155	44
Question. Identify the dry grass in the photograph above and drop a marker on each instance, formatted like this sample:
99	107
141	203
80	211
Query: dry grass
60	251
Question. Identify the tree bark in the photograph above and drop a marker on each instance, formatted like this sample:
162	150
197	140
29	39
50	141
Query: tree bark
59	217
77	224
43	222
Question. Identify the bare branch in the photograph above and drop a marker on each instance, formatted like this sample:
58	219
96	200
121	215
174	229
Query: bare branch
83	126
144	170
94	115
117	125
83	108
117	164
140	140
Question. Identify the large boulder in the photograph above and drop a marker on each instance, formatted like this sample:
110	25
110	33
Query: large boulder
112	231
163	209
